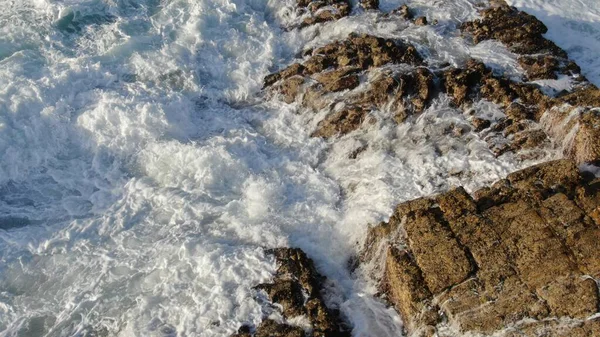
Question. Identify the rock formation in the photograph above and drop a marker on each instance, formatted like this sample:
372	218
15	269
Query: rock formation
522	255
523	34
518	258
570	118
322	11
353	77
297	289
342	66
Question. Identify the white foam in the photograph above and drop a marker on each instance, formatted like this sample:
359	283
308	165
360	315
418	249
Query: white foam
572	25
141	176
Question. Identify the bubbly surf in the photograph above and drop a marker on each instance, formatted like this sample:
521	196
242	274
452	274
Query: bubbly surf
142	171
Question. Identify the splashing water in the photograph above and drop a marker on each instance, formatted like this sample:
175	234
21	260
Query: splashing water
142	174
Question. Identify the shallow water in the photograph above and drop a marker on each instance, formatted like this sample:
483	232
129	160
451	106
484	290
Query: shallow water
142	173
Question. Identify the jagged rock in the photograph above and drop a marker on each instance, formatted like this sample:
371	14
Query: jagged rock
369	4
540	67
290	88
340	123
357	52
521	32
556	328
522	252
323	10
403	11
480	124
526	106
366	51
409	93
534	121
574	119
460	84
339	67
270	328
405	286
586	144
294	69
421	21
339	79
297	288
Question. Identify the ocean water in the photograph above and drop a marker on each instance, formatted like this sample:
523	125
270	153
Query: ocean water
142	171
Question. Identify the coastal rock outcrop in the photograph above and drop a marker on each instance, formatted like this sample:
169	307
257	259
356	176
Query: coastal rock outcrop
332	72
570	119
296	291
322	11
519	258
522	33
349	79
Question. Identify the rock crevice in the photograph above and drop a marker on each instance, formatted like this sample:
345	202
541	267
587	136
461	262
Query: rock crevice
523	253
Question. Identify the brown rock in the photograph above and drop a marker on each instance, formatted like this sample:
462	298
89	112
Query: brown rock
436	251
297	288
338	80
572	296
340	123
480	124
404	284
516	255
521	32
288	294
421	21
587	96
369	4
461	84
317	64
409	93
270	328
336	67
586	145
290	88
323	11
403	11
294	69
473	308
540	67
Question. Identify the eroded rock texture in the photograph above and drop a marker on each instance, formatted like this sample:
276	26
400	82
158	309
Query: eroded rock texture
521	256
369	4
531	116
323	10
349	79
523	34
340	67
297	289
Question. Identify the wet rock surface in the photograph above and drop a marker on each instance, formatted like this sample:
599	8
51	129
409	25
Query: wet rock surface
369	4
342	66
323	10
522	254
519	258
522	33
297	290
351	78
532	117
358	71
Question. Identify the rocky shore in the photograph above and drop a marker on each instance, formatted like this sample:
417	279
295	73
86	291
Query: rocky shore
518	258
521	255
